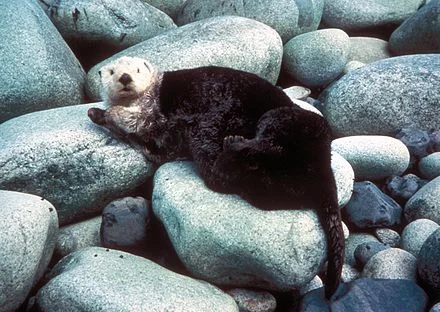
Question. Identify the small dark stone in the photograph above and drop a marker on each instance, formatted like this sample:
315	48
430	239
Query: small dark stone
364	294
125	223
434	143
365	251
401	188
416	140
371	208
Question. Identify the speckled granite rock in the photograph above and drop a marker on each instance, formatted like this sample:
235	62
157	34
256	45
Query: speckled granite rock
415	234
115	23
28	230
368	49
230	41
223	239
316	58
420	33
425	204
384	96
288	17
62	156
39	70
373	157
98	279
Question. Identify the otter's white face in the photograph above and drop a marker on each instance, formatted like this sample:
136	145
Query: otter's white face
125	79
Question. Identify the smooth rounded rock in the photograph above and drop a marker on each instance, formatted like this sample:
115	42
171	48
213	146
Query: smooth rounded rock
61	155
368	49
316	58
392	263
38	69
365	251
370	208
349	273
428	264
435	308
78	235
223	239
98	279
288	17
425	203
28	230
429	166
297	92
372	14
353	241
230	41
415	234
373	157
385	96
117	24
420	33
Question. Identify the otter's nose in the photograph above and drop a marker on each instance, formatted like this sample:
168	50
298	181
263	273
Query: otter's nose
125	79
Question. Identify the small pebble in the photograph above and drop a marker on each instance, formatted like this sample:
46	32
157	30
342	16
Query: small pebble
365	251
253	300
388	237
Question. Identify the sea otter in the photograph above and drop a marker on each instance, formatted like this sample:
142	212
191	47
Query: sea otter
244	134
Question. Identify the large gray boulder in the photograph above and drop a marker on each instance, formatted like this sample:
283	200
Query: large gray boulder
99	279
351	16
223	239
38	69
384	96
229	41
115	23
62	156
28	230
420	33
288	17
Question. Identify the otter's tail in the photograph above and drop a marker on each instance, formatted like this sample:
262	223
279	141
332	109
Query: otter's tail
331	220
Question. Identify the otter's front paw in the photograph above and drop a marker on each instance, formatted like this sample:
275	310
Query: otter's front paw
232	142
96	115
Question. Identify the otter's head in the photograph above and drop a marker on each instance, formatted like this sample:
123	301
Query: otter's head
126	79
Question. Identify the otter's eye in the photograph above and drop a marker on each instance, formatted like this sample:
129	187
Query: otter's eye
139	70
111	72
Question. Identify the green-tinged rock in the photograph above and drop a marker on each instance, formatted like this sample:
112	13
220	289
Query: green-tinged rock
223	239
385	96
28	230
61	155
38	69
317	58
229	41
98	279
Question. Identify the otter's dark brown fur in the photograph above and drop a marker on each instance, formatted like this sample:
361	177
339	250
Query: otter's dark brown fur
245	136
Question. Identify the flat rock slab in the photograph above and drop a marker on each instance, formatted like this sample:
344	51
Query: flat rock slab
385	96
230	41
28	230
223	239
99	279
38	69
62	156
